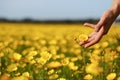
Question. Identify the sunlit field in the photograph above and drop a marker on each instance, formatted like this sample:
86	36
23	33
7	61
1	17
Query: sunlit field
51	52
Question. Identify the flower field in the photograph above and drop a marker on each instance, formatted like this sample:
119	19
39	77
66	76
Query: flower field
52	52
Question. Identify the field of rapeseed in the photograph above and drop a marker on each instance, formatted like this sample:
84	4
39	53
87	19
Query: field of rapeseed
52	52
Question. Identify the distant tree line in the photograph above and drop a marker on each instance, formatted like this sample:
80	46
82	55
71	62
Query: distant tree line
80	21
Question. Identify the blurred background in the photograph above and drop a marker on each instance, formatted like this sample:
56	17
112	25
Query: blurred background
67	11
39	40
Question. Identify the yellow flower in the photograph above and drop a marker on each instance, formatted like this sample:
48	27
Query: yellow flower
20	78
41	60
50	71
80	57
93	68
82	38
104	44
88	77
97	51
53	42
118	78
26	74
61	79
42	42
77	51
97	46
111	76
65	61
33	53
46	55
1	54
53	77
110	56
32	61
72	66
73	59
12	67
29	58
118	48
54	64
17	74
56	57
16	56
62	55
94	58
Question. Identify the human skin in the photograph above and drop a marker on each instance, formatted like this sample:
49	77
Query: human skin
104	24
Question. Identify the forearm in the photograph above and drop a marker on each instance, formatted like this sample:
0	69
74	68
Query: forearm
115	7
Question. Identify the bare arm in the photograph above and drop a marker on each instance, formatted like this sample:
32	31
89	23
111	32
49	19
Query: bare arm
103	26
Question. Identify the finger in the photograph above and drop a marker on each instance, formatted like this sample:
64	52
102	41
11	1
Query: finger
90	39
96	39
85	42
81	43
90	43
90	35
89	25
101	32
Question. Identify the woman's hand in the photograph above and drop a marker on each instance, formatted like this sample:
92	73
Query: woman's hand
100	29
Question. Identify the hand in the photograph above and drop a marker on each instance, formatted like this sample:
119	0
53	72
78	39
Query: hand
101	28
93	38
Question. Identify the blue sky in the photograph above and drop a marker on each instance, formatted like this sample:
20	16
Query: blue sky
53	9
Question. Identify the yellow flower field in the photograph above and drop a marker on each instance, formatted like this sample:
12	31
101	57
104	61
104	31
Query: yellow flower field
52	52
